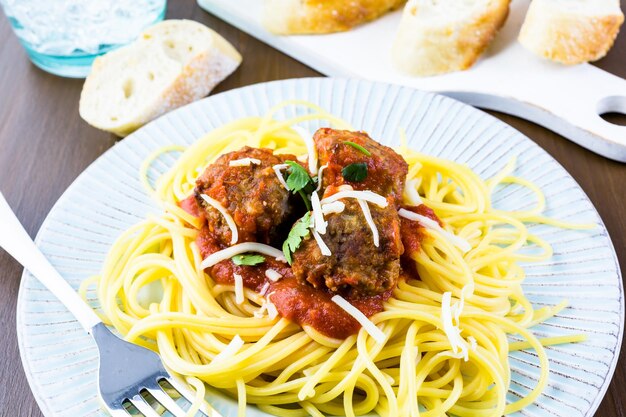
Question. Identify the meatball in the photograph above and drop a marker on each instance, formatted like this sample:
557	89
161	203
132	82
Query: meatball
356	266
253	195
386	170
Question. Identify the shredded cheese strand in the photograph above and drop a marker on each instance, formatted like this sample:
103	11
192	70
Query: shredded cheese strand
239	298
273	275
318	215
370	221
230	350
310	147
336	207
319	177
411	194
264	289
272	312
229	219
453	333
278	171
240	248
367	195
367	324
428	223
244	162
322	245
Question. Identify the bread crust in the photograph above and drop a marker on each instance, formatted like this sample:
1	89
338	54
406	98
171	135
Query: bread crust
567	37
423	50
194	81
290	17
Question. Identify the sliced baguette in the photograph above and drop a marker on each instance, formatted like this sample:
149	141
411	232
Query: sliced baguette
171	64
440	36
571	31
289	17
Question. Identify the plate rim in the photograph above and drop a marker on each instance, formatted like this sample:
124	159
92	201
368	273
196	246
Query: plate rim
43	406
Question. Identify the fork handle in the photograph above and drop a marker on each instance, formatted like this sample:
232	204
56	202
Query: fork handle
15	240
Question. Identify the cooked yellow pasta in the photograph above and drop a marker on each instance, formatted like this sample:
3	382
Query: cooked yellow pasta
446	347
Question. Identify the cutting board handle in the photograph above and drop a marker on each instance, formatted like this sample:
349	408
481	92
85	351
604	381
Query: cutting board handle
591	131
566	100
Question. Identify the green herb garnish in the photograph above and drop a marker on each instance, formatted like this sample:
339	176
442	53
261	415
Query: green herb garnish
299	231
298	177
248	259
356	172
299	181
358	147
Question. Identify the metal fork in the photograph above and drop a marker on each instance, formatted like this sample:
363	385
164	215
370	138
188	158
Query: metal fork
125	370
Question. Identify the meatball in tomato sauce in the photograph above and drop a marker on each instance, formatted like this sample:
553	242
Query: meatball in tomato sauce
356	265
386	170
245	184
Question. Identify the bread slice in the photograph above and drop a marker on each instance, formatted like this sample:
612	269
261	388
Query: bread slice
289	17
571	31
440	36
171	64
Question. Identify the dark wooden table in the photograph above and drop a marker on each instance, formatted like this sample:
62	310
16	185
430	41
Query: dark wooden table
44	145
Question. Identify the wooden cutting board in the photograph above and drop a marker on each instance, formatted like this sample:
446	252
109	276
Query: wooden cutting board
509	79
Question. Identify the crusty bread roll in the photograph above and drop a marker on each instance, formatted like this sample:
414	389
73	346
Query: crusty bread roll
289	17
440	36
171	64
571	31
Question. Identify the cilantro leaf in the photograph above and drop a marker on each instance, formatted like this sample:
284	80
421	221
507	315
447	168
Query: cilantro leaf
298	177
299	181
248	259
299	231
356	172
358	147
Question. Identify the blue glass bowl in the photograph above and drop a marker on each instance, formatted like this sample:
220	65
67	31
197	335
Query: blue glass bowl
77	63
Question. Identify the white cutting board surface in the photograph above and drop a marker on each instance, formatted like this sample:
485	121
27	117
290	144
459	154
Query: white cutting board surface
567	100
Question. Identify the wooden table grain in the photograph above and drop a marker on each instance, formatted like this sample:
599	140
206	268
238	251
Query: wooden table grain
44	146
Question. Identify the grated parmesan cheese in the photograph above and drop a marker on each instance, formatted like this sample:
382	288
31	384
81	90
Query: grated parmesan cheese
238	289
264	288
370	221
240	248
318	216
310	147
229	219
433	225
272	275
323	248
278	171
472	342
453	333
260	313
410	192
458	307
244	162
272	312
319	177
336	207
367	324
231	349
367	195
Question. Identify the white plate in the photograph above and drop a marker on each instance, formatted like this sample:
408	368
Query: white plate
60	359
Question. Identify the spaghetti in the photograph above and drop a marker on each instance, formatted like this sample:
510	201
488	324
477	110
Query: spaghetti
445	347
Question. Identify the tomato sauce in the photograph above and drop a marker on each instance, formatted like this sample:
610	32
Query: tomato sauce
411	231
190	205
301	302
308	306
298	302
